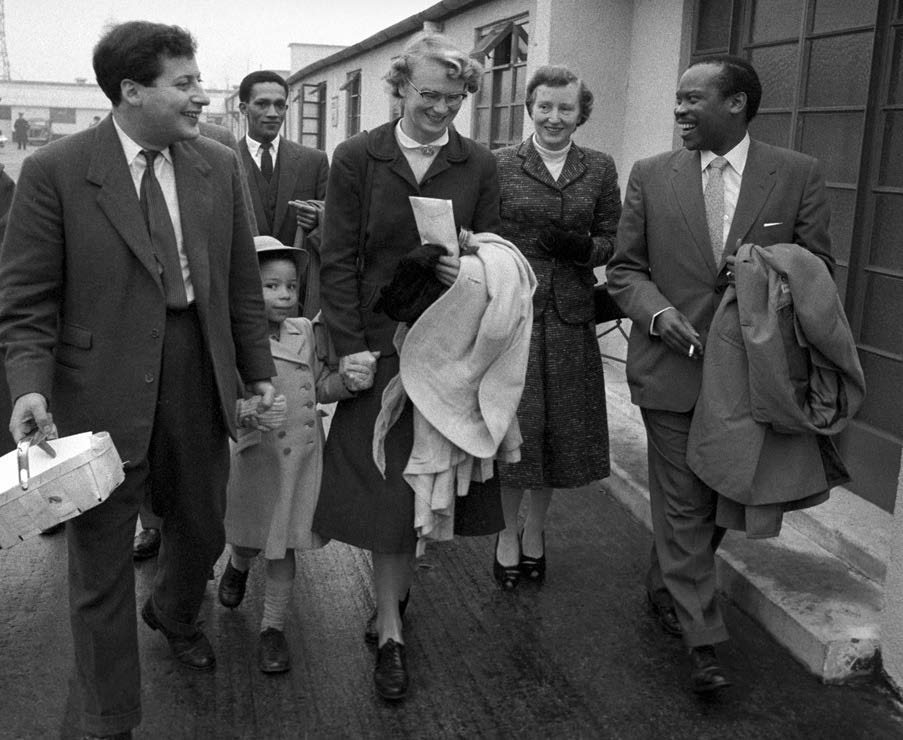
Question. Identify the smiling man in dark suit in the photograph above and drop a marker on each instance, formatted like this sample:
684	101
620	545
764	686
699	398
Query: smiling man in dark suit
685	213
287	180
129	295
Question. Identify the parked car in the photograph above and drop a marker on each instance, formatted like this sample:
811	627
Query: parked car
40	131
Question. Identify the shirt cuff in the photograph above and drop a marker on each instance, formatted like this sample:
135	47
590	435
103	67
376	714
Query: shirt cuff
652	330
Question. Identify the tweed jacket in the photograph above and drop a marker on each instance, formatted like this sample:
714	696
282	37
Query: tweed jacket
585	198
82	309
369	173
302	176
664	256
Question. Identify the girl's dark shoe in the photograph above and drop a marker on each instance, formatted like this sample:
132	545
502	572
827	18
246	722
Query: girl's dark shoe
371	636
232	586
272	655
506	575
534	569
391	674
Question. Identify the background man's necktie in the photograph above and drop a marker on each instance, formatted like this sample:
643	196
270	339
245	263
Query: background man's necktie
714	206
163	237
266	161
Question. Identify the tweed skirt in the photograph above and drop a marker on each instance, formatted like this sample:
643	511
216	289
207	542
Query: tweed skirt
562	413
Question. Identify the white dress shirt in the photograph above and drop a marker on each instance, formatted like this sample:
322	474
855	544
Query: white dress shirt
256	149
166	176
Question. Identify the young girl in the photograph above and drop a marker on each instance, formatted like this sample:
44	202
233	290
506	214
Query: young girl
277	461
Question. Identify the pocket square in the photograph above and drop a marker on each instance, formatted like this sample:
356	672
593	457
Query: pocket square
772	223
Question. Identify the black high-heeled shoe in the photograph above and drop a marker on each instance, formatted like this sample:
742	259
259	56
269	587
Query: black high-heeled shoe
506	575
534	569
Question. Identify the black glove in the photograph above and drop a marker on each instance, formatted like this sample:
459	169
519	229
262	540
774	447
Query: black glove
414	285
566	245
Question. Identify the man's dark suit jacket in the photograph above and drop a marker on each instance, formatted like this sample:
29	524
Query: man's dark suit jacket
302	176
664	257
82	309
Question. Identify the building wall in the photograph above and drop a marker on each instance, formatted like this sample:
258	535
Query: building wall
651	73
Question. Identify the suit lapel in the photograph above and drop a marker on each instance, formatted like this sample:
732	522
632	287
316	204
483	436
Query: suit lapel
289	167
250	176
759	178
686	183
196	212
533	166
117	197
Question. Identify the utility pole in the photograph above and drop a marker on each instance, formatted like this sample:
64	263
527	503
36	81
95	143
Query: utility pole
4	57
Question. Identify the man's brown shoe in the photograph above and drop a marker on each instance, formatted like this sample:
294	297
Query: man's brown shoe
663	610
192	651
707	675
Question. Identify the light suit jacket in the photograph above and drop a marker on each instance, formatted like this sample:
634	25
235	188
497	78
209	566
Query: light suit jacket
664	258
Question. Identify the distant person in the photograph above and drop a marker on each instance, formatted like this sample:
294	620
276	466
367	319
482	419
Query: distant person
129	296
20	132
287	181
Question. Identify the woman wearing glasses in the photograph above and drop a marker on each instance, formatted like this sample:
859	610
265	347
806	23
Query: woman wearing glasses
369	226
560	204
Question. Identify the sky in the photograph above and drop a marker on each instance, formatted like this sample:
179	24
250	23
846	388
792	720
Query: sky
52	40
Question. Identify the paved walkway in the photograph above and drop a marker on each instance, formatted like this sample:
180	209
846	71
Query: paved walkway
578	658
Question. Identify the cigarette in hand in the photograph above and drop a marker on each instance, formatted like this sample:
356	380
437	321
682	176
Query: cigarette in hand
692	351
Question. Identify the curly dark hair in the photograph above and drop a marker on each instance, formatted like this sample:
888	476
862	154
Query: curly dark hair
557	76
133	51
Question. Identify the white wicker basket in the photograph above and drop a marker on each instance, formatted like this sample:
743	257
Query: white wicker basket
84	472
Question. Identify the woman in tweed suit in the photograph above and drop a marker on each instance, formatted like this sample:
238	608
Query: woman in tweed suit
560	204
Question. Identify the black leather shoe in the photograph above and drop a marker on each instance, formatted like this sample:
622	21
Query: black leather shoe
232	586
192	651
707	675
391	674
371	635
534	569
272	655
506	575
147	544
664	612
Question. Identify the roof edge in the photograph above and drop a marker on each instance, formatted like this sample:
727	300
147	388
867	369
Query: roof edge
412	23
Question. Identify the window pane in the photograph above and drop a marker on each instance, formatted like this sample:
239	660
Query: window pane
883	405
501	85
776	19
500	126
843	204
517	123
887	233
836	140
895	92
840	280
772	128
522	44
778	72
479	97
713	26
839	70
520	84
501	54
881	318
891	171
831	15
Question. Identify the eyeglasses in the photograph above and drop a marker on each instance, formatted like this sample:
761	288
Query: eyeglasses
430	97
